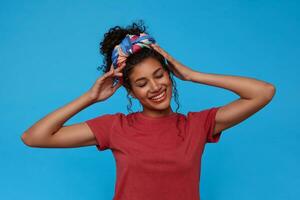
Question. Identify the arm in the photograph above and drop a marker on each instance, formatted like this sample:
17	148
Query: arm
50	132
40	134
254	95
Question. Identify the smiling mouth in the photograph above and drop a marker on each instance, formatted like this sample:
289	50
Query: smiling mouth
159	97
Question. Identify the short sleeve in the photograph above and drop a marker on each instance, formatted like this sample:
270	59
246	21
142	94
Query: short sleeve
210	122
101	127
203	122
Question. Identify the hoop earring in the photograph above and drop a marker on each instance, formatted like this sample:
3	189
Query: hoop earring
130	103
141	106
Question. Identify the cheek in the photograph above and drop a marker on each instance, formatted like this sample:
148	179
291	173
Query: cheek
169	83
141	93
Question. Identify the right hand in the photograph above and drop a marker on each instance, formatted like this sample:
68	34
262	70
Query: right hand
103	87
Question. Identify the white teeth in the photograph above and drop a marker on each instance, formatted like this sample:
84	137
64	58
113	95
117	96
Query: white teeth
159	96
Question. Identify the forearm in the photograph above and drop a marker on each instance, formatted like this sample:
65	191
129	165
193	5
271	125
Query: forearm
51	123
247	88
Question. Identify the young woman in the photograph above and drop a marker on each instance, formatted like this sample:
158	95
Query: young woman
157	151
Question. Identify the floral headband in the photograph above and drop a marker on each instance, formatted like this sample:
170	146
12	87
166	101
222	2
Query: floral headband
129	45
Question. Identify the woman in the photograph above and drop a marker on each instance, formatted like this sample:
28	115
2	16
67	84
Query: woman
157	151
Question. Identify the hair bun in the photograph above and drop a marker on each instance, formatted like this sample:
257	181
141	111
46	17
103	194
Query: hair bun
114	36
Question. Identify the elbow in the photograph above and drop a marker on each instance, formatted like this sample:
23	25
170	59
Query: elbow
268	92
26	140
31	140
271	90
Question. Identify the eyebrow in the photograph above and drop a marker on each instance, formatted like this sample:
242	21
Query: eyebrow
145	78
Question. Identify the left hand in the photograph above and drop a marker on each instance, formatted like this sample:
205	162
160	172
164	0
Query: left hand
180	71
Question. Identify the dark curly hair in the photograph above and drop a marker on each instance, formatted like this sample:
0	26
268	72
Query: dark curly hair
114	37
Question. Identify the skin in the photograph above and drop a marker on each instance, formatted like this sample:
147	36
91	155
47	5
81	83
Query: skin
50	131
149	79
253	94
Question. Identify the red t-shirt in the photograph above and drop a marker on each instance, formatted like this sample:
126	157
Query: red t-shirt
156	158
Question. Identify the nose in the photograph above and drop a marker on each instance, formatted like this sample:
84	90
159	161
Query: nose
155	87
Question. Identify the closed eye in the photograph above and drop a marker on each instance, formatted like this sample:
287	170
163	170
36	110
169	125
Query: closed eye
160	76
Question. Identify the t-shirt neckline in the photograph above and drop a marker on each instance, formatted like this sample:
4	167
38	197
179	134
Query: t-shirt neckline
145	117
147	123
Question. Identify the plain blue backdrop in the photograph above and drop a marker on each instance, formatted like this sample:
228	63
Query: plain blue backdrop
49	54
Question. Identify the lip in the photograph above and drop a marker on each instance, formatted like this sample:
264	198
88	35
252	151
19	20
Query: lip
163	97
158	94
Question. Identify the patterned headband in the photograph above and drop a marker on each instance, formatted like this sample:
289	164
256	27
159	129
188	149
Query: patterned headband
129	45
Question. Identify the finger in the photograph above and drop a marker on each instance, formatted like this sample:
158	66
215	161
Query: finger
119	74
164	53
117	86
111	67
160	50
153	46
106	75
121	67
156	46
112	72
116	75
109	73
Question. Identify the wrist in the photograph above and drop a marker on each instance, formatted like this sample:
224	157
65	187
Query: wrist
191	75
88	98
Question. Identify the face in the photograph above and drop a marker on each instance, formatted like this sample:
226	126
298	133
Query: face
152	86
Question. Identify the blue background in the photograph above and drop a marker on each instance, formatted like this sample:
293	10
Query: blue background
49	56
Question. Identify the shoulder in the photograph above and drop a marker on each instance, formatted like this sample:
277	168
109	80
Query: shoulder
108	118
202	115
